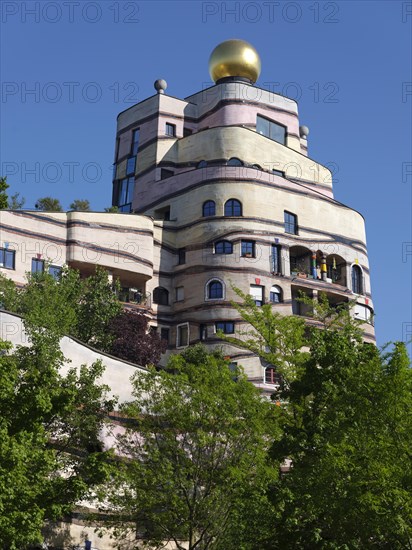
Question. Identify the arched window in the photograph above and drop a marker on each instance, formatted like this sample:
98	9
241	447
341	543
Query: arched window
234	162
357	280
275	295
257	166
202	164
272	376
161	296
209	208
233	207
223	247
214	290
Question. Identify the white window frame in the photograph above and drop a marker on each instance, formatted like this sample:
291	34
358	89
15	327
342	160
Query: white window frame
207	299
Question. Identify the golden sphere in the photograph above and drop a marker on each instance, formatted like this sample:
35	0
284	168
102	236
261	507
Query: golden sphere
234	58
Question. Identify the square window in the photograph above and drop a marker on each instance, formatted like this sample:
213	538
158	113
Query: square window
7	258
248	249
37	266
291	223
227	327
55	271
181	256
170	129
182	336
271	129
256	292
164	334
180	293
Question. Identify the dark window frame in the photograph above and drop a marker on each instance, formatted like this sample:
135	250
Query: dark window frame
223	247
181	256
233	208
207	209
39	263
247	247
357	280
215	290
170	129
291	223
273	127
227	327
161	296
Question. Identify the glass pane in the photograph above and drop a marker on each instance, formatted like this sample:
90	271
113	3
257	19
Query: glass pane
277	133
130	190
122	192
8	259
131	165
55	271
262	126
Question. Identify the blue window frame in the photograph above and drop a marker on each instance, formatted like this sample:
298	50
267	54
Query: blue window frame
209	208
233	207
130	165
7	258
135	142
55	271
125	197
223	247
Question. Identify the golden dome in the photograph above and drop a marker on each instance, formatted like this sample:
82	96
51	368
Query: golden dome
234	58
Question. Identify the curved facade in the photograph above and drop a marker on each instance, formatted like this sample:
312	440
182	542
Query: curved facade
225	173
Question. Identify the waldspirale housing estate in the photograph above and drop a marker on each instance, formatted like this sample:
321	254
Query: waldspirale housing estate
214	190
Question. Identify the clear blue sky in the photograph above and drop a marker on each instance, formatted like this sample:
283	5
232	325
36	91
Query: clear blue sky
348	63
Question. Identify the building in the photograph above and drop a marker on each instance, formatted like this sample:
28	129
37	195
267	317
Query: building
215	190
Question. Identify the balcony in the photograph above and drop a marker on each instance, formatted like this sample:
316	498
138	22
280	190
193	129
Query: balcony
135	297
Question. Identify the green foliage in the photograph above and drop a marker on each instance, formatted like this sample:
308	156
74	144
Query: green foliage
196	467
16	202
49	204
80	205
49	426
97	306
277	339
112	209
4	203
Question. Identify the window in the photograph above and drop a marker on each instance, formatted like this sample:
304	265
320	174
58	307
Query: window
130	165
164	173
357	280
215	290
256	291
161	296
278	173
170	129
275	295
223	247
55	271
125	195
291	223
187	132
227	327
248	249
135	142
180	293
209	208
116	153
114	171
164	334
7	258
37	266
234	162
233	207
181	256
182	336
276	259
202	164
162	213
271	129
271	376
202	332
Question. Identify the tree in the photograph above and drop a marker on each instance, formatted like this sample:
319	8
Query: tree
195	449
16	202
346	420
4	203
49	204
80	205
97	305
277	339
50	449
134	341
112	209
